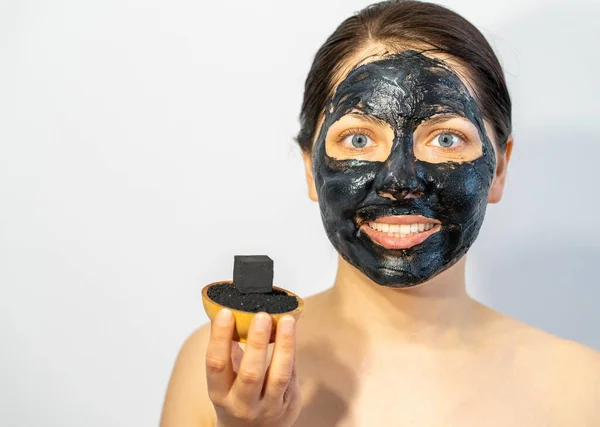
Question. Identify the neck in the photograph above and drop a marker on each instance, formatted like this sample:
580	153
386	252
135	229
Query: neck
438	311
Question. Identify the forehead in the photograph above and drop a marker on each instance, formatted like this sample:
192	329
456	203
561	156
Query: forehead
408	68
406	83
375	51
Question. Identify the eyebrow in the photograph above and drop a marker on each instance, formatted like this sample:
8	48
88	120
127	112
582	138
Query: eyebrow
429	121
439	118
371	119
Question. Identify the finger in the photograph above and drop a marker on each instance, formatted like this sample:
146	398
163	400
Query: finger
292	393
250	378
236	356
280	372
219	369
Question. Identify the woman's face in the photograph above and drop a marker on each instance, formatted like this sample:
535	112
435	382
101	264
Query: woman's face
402	168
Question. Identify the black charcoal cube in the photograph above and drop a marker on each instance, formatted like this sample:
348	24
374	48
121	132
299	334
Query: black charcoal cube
253	274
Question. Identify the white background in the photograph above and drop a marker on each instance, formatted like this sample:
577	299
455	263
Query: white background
144	143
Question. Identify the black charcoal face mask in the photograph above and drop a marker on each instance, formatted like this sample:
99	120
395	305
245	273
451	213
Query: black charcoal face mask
403	90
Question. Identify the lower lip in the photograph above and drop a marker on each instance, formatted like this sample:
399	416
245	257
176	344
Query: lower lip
391	242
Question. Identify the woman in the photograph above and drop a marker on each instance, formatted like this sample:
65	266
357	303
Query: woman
406	136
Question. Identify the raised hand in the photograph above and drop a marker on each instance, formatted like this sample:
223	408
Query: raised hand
245	390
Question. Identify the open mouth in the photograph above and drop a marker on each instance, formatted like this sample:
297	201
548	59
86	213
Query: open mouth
400	232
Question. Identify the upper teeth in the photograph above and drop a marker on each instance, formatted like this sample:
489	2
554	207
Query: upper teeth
401	229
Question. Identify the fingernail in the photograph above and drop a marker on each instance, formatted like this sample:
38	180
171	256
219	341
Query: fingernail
262	321
223	317
288	325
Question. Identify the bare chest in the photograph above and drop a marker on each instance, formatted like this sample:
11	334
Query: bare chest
428	395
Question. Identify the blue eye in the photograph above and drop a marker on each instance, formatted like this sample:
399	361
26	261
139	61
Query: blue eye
446	140
359	140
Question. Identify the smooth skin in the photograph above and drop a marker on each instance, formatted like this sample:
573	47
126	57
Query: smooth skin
367	355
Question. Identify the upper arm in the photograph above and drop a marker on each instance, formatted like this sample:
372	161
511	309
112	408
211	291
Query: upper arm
187	403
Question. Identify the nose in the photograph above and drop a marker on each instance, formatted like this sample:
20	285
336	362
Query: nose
400	180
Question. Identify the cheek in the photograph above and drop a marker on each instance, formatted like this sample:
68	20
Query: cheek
340	194
458	190
342	184
345	188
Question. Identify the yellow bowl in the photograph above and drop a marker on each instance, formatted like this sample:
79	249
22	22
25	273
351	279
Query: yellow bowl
244	318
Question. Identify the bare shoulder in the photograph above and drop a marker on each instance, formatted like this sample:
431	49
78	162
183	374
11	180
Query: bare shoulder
566	373
186	401
567	355
577	365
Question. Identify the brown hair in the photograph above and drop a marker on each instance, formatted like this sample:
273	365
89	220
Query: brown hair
395	22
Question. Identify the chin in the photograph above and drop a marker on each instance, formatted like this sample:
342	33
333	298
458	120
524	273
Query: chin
407	269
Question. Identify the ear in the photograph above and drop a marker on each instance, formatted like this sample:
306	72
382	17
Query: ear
310	180
497	187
